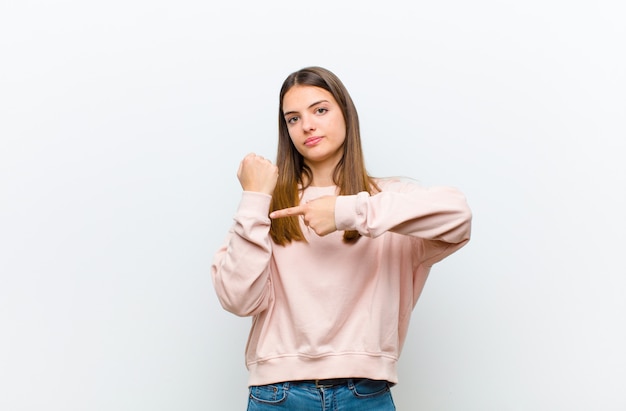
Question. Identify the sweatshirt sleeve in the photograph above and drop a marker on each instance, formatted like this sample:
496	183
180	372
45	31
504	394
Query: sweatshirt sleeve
439	216
240	268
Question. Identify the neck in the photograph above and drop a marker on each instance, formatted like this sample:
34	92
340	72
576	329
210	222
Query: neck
322	175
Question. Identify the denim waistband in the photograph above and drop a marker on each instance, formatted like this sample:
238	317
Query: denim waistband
327	383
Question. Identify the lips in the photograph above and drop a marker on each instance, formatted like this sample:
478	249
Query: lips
311	141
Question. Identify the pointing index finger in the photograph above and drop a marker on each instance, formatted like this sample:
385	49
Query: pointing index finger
286	212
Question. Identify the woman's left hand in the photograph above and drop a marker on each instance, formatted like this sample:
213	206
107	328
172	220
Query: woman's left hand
318	214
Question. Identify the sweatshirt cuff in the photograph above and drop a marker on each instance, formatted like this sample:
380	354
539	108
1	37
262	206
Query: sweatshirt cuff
254	204
350	211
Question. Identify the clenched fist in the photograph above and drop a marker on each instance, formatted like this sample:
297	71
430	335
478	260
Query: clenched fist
257	174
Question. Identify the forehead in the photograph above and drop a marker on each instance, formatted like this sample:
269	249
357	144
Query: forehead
301	97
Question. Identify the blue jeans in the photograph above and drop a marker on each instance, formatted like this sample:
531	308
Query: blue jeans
355	395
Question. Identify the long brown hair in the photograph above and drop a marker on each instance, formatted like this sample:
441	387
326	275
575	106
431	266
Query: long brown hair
349	175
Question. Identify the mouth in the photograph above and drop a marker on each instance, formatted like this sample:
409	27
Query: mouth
311	141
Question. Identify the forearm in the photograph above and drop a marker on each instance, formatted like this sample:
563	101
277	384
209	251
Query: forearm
240	269
439	213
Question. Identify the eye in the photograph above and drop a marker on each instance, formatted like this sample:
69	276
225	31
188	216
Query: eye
292	120
321	110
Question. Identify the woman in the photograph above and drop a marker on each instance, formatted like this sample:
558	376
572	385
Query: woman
331	276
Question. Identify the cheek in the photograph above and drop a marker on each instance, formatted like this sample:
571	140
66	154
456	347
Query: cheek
296	146
339	125
340	130
292	137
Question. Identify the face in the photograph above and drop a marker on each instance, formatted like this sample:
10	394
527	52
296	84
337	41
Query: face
316	125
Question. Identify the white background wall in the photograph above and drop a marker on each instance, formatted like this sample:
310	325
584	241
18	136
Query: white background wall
121	127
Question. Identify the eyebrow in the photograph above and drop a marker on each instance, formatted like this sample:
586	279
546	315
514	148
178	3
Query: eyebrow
312	105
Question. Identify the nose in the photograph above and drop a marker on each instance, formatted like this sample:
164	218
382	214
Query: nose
308	123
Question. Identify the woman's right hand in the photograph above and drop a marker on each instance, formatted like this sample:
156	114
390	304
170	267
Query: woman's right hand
257	174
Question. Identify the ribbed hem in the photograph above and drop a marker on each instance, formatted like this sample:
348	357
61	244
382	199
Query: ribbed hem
343	365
